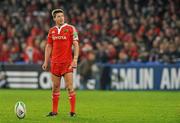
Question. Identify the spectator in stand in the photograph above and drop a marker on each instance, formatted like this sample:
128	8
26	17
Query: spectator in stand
86	68
5	53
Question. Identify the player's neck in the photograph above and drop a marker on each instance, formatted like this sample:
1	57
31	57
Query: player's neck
59	25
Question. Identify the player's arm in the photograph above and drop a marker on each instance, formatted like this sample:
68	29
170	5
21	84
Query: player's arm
76	48
48	50
76	52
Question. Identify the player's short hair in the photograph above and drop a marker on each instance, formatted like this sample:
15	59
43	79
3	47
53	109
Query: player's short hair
55	11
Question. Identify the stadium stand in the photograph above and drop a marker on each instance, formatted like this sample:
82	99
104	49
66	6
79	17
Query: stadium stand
118	31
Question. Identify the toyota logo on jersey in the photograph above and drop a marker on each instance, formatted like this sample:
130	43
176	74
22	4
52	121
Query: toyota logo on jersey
59	37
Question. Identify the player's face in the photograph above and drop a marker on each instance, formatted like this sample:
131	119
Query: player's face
59	18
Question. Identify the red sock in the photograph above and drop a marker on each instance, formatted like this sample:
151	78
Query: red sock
55	99
72	100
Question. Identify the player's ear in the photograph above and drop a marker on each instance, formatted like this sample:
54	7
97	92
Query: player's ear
54	18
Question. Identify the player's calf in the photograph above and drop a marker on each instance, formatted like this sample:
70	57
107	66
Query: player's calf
72	100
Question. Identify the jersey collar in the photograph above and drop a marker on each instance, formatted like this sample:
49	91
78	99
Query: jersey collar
59	29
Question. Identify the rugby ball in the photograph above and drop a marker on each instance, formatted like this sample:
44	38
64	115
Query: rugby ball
20	109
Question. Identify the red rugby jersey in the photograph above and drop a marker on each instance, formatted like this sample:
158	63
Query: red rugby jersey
61	39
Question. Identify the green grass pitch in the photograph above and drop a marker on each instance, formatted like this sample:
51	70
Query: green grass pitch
94	106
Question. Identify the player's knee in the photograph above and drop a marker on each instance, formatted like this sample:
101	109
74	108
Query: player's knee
70	89
56	88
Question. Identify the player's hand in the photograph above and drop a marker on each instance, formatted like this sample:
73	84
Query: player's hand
45	66
73	64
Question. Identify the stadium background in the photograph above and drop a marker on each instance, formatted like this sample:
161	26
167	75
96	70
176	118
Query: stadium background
124	45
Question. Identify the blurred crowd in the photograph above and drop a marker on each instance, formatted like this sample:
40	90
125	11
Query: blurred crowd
110	31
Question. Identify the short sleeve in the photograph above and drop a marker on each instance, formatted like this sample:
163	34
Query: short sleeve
75	34
49	38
